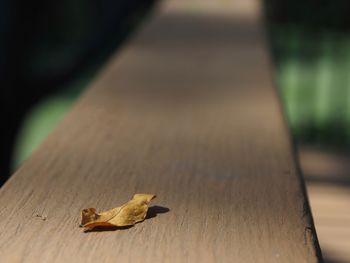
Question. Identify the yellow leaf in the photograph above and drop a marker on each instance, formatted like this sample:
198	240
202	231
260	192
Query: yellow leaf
128	214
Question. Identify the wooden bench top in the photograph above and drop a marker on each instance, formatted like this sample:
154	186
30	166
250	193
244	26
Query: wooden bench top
186	110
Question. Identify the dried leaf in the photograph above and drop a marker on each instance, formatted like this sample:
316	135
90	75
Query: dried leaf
128	214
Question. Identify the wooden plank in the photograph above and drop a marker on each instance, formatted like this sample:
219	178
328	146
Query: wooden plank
327	178
187	111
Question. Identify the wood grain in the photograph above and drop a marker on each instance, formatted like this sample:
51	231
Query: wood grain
327	179
187	110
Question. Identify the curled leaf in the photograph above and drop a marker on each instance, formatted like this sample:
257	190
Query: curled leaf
128	214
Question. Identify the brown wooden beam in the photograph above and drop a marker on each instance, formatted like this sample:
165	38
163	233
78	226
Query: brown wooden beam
187	111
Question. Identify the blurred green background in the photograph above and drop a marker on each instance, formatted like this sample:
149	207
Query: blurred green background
50	53
310	47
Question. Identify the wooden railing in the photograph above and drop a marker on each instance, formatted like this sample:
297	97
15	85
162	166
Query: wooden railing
187	110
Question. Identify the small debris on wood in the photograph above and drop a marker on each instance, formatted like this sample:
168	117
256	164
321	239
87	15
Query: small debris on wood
42	217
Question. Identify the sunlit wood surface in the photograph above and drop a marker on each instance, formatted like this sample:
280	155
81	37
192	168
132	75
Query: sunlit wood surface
327	174
187	110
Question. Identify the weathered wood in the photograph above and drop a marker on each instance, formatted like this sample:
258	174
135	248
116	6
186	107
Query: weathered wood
188	111
327	177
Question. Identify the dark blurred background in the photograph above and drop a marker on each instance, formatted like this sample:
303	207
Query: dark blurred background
49	51
310	42
310	46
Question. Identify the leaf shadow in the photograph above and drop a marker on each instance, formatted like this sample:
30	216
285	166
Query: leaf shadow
152	212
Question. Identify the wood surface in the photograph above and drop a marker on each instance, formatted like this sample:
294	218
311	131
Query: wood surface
327	178
187	110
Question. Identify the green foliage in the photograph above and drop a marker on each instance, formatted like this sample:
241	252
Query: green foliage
313	73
